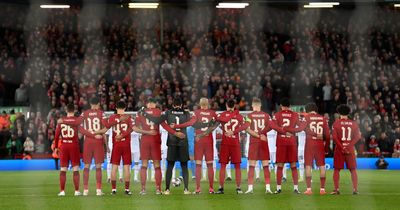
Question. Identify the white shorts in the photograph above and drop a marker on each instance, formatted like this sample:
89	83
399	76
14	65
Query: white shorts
301	137
272	141
135	157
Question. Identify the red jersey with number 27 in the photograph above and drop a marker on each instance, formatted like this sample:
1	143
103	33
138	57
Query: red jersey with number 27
231	121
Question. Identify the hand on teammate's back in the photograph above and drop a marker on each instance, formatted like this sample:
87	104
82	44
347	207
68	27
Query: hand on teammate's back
263	137
229	133
180	135
172	125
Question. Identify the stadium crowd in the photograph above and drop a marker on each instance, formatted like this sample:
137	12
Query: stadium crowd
218	54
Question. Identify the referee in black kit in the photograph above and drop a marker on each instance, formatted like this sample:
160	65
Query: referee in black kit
178	148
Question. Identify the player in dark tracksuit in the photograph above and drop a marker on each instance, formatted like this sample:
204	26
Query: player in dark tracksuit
175	122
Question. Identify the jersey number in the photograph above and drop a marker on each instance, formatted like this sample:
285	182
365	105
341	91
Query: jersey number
149	123
348	136
93	125
233	123
204	120
317	128
67	131
119	127
286	122
258	124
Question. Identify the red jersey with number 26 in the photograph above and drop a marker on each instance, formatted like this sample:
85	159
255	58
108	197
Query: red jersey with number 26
123	128
231	121
69	133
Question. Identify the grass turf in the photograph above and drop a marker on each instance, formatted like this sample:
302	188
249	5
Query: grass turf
38	190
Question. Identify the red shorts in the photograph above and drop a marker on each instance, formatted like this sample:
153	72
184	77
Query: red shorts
314	152
69	152
150	149
230	152
93	149
204	149
286	153
339	159
121	151
259	151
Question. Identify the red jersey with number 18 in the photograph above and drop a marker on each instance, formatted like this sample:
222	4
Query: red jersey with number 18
92	122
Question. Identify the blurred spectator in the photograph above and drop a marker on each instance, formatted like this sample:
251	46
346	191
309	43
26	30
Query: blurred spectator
28	146
373	144
396	149
14	146
381	163
21	95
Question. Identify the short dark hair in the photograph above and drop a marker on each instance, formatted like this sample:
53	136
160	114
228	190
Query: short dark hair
95	100
285	102
70	108
343	109
177	102
231	103
120	105
311	107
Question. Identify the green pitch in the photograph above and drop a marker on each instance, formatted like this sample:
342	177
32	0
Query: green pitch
38	190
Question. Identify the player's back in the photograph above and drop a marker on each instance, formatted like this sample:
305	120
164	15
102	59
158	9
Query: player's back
230	121
145	123
92	120
69	133
259	120
120	128
288	119
317	124
177	117
346	131
205	116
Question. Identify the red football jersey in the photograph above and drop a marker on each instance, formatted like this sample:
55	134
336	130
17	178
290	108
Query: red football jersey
205	116
68	133
232	121
290	120
92	122
123	128
259	123
146	124
345	133
317	124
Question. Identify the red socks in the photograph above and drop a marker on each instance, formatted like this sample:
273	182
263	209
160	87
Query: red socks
295	176
76	180
336	177
86	178
323	180
354	179
279	175
308	181
250	178
63	179
238	174
158	177
198	176
210	171
143	177
267	175
127	185
99	177
113	184
222	173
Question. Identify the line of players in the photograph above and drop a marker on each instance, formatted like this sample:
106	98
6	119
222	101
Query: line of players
286	123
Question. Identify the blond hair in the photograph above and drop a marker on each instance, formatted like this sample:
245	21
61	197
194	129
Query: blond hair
203	102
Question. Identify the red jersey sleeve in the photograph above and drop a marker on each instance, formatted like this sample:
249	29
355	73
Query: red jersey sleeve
356	134
336	136
327	135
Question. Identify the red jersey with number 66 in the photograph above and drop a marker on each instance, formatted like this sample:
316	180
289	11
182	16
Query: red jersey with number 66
317	124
